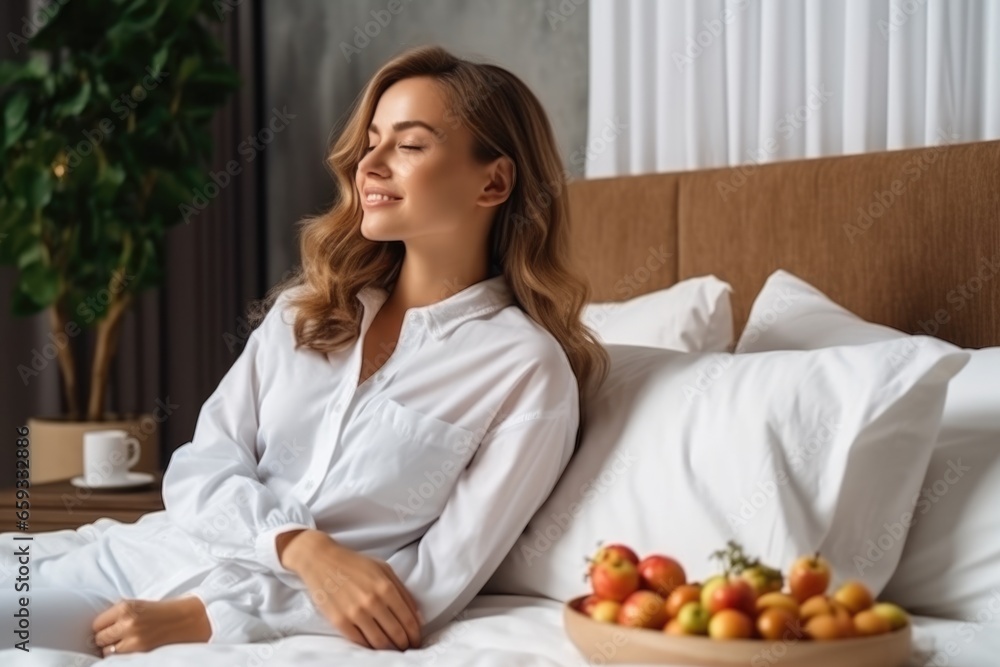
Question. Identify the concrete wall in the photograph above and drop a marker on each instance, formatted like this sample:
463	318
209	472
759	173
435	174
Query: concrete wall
314	71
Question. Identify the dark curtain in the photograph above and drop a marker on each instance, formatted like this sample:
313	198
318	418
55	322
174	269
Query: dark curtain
177	341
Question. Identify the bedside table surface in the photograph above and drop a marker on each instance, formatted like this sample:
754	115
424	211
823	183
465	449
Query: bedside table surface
58	505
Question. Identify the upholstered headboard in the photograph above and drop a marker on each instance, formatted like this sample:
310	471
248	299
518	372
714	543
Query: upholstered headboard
905	238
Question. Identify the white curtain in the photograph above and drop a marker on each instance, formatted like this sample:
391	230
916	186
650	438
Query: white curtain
686	84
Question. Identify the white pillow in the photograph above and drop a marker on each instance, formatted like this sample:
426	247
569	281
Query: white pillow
787	452
950	564
694	315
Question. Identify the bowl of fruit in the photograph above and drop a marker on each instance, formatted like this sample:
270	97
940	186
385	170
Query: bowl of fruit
646	611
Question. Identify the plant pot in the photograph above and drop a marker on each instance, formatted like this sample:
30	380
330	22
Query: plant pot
55	445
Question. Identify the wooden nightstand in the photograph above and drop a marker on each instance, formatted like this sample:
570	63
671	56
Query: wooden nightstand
58	505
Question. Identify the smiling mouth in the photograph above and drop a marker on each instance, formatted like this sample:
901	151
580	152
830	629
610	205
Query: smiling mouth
380	200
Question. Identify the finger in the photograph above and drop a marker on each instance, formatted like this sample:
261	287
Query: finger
120	647
372	631
108	616
108	635
404	617
392	625
407	595
345	625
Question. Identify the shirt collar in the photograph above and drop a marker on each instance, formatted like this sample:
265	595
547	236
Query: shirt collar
477	300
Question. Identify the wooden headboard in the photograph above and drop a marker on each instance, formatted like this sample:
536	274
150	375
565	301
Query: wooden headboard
905	238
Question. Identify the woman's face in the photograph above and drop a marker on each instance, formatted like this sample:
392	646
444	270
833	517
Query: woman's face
421	157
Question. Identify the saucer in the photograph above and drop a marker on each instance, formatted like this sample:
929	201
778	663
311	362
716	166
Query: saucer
131	479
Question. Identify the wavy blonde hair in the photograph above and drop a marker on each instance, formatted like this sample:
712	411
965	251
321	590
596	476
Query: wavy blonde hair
529	239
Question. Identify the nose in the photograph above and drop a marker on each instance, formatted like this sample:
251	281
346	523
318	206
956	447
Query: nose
372	162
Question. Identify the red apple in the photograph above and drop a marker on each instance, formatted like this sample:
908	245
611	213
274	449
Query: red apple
661	574
620	549
735	593
681	596
809	576
709	587
614	578
643	609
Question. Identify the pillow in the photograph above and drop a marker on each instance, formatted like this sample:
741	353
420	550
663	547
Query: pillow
693	315
786	452
950	564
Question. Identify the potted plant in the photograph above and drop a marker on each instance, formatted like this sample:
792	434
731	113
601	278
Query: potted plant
104	140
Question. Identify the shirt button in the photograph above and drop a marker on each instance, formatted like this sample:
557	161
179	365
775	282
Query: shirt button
310	485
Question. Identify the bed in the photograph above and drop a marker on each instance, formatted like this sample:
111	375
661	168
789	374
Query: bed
887	235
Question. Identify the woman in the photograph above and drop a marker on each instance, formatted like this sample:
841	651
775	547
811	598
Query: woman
407	402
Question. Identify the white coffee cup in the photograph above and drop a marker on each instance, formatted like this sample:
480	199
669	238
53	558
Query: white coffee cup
106	457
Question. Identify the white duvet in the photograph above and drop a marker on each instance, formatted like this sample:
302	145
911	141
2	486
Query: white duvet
494	631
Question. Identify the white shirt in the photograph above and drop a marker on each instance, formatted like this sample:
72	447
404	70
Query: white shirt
436	463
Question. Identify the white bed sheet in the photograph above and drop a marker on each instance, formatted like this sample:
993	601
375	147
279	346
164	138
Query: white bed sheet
494	631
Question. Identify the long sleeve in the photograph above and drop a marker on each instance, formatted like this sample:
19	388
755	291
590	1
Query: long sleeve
515	468
244	607
211	487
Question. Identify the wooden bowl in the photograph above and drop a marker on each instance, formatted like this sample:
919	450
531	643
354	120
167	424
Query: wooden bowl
606	643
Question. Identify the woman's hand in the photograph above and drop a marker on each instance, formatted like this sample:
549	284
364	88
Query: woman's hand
360	596
133	626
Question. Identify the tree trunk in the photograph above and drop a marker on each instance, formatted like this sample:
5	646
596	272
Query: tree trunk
64	355
104	353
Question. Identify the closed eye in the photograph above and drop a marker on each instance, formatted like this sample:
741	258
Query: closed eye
409	148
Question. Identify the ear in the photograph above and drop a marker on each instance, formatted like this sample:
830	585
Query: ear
500	182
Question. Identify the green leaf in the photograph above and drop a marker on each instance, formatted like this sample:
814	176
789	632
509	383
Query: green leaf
33	254
33	182
11	135
160	59
14	112
11	71
188	67
75	104
40	282
14	120
108	181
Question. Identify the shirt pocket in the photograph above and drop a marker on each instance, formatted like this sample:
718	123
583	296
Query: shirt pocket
409	461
